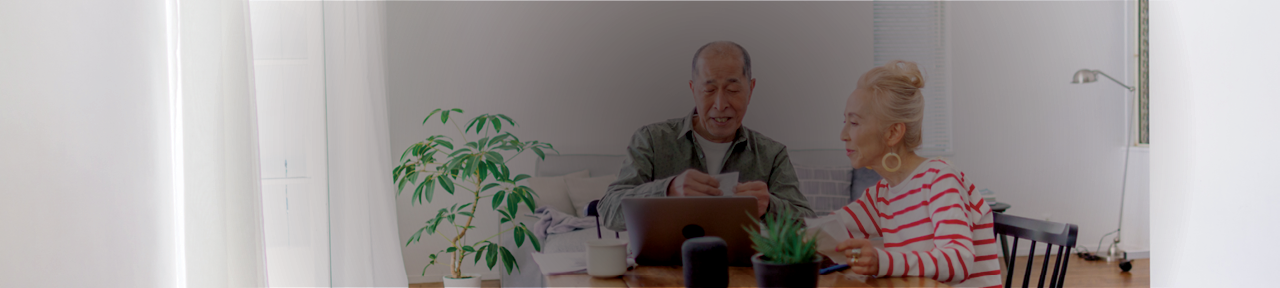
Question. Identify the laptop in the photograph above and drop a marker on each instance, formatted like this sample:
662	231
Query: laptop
659	226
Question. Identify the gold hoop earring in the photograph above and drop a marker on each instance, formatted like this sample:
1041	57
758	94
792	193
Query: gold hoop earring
884	161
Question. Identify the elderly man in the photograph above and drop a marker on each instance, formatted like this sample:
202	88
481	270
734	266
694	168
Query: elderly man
678	157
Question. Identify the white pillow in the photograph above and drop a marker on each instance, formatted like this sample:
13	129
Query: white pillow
554	191
583	190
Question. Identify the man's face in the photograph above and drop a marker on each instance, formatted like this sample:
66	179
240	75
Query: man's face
721	93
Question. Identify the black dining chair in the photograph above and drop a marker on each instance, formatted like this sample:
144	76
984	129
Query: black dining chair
590	210
1038	231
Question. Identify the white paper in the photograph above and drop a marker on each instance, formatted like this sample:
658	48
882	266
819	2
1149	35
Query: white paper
830	233
728	182
561	263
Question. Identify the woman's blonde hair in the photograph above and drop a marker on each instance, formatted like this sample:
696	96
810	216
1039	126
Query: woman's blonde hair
894	95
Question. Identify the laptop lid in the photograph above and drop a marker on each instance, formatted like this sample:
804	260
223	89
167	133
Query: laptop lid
659	226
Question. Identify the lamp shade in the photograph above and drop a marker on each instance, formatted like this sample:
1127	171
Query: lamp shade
1085	76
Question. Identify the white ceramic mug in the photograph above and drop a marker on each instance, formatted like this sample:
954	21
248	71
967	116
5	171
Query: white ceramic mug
606	257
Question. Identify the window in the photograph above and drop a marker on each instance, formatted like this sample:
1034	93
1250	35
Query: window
288	60
916	32
1143	107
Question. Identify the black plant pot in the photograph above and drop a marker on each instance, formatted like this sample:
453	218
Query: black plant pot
800	275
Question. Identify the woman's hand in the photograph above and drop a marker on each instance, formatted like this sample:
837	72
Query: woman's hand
863	258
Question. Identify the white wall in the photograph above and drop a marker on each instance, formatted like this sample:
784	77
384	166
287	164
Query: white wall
85	192
584	76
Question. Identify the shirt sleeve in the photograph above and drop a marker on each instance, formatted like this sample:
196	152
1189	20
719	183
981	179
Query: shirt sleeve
784	191
860	217
952	258
634	180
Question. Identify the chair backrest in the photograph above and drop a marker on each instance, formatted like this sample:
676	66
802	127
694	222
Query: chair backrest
1038	231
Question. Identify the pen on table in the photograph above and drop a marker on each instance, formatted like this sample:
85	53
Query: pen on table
832	269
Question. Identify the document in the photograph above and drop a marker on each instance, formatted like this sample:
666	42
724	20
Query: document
830	233
728	182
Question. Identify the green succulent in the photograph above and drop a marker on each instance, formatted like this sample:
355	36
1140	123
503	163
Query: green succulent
782	239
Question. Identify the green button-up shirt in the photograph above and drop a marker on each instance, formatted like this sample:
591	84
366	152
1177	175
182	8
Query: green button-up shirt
661	151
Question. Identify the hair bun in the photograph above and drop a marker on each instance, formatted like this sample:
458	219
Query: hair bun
908	70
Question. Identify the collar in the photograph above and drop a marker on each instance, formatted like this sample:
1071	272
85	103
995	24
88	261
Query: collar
686	128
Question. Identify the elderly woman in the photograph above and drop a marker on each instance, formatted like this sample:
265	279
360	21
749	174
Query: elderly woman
932	223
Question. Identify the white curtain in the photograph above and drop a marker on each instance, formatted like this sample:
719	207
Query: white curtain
365	242
224	244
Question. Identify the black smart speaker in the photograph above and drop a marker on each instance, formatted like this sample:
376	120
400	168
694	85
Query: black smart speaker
706	262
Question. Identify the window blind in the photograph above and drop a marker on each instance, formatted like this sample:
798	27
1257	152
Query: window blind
916	32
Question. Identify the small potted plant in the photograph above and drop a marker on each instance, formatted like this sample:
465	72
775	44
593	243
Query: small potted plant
479	168
785	256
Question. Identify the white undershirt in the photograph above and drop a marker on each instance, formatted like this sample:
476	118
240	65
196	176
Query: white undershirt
714	152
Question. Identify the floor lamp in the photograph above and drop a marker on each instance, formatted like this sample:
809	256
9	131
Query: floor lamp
1113	252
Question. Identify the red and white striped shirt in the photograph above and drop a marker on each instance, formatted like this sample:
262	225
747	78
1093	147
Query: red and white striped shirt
933	226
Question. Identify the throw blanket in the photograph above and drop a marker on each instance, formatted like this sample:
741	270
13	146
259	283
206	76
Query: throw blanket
552	221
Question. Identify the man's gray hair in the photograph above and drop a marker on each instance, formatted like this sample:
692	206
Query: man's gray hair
746	58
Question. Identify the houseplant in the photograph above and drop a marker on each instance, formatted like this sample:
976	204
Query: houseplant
785	256
477	167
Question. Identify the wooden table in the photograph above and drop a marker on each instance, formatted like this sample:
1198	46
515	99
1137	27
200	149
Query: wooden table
673	276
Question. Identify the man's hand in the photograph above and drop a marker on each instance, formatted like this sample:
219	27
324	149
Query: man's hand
694	183
868	262
757	189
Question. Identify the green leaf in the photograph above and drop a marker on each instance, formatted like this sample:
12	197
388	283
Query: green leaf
491	256
513	204
453	208
464	206
484	170
465	213
497	174
538	151
499	138
444	117
468	249
521	177
497	125
529	201
406	153
506	214
481	126
512	122
479	253
457	110
519	236
416	236
471	124
417	192
497	198
509	260
506	173
402	182
490	186
433	113
429	191
445	143
450	249
494	156
534	240
447	184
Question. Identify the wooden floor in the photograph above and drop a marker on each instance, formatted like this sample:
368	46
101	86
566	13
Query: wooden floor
1080	273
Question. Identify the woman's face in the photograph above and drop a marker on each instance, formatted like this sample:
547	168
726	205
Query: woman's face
862	141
